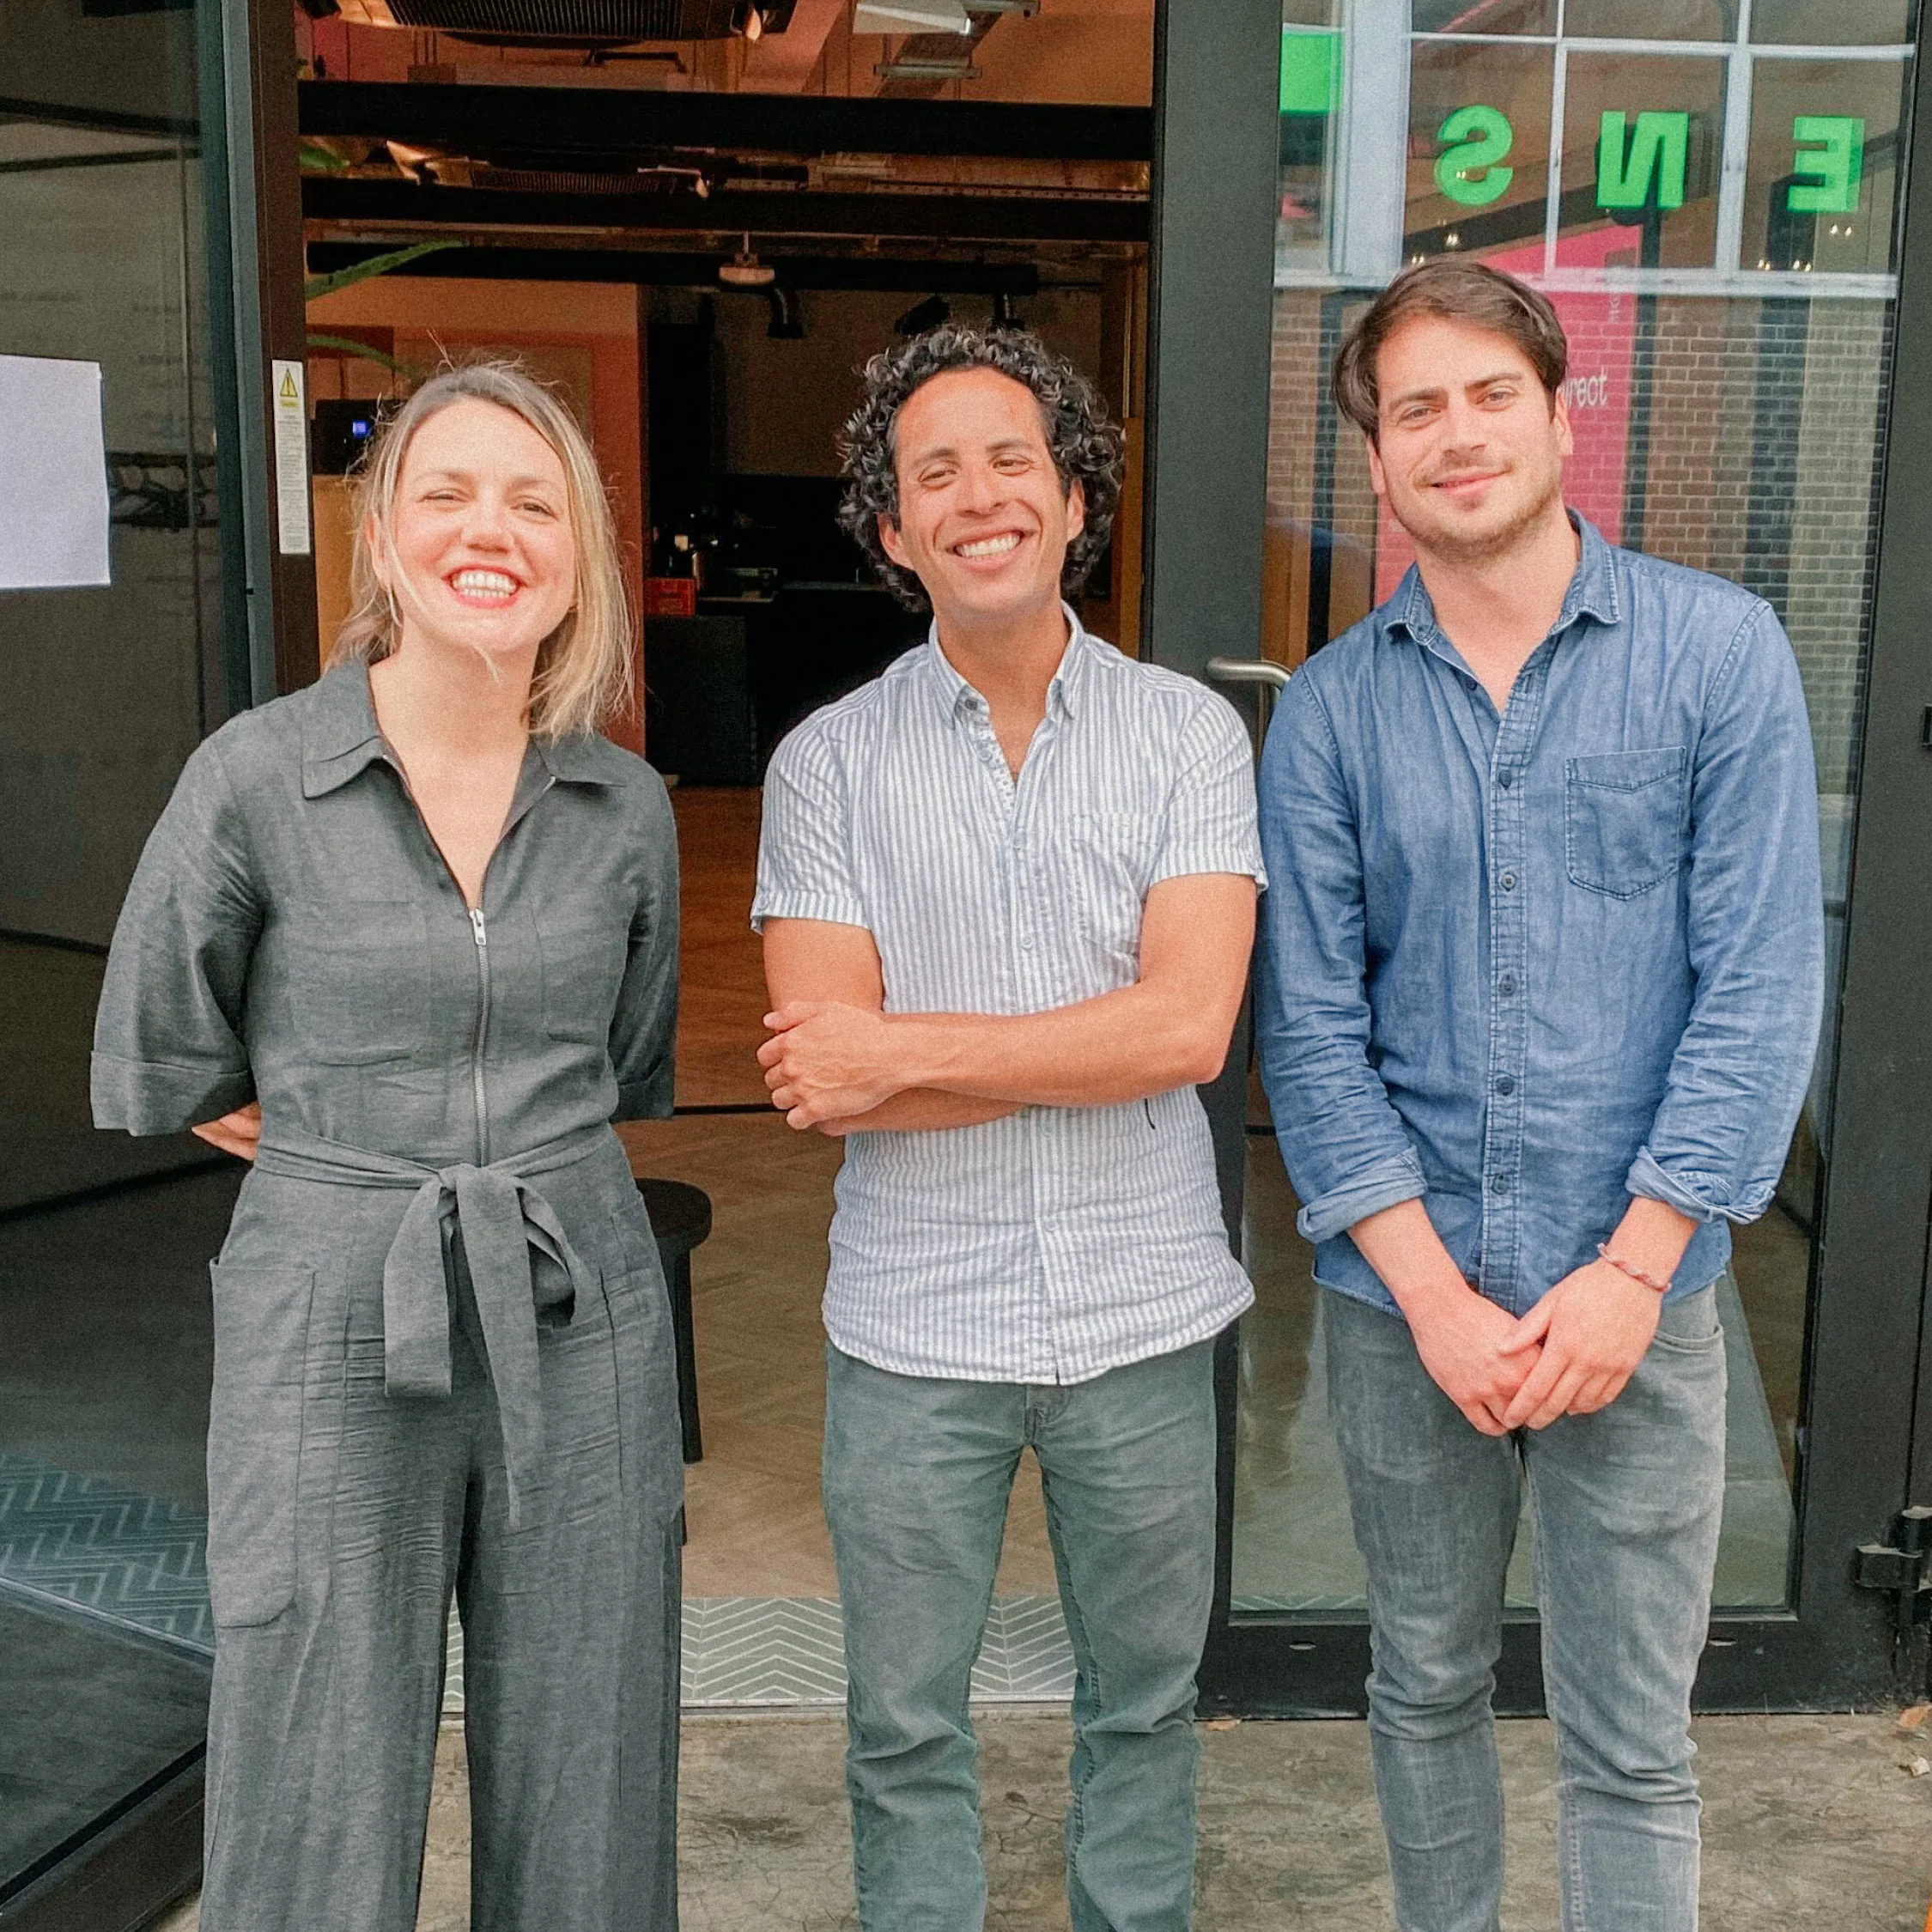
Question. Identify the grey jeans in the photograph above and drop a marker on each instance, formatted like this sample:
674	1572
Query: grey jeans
1625	1506
917	1472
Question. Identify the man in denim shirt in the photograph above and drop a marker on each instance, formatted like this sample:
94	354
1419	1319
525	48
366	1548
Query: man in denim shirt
1542	980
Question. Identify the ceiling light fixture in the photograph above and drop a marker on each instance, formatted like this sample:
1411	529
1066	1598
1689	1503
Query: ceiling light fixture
746	270
911	16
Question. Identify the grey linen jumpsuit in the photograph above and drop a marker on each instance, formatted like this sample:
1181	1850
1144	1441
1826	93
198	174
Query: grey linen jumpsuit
442	1343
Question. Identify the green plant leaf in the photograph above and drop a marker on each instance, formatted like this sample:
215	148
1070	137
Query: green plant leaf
319	285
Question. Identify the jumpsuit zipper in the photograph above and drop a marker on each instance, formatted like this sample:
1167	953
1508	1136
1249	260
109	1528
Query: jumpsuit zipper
481	934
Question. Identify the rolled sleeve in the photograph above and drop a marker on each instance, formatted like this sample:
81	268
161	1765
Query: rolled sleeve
169	1046
644	1026
805	861
1211	815
1755	932
1387	1185
1346	1148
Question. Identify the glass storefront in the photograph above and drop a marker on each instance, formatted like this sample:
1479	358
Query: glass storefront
105	1347
1710	194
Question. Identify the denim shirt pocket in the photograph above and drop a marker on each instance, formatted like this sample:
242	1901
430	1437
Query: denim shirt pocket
1622	815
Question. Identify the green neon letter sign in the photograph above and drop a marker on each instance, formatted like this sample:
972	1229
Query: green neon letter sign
1470	171
1657	154
1831	152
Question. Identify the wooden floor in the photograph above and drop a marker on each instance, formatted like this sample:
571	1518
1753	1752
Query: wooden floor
755	1525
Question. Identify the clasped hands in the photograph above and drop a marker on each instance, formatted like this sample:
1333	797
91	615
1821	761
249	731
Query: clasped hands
827	1063
1570	1355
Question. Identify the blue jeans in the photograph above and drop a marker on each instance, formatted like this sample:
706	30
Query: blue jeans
1625	1505
917	1475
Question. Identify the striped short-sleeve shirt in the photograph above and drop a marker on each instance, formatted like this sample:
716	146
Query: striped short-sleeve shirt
1059	1242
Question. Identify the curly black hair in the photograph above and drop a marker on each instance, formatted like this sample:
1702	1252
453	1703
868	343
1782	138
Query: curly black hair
1086	448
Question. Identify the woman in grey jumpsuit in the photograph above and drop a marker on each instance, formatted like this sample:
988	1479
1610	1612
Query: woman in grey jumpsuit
443	1358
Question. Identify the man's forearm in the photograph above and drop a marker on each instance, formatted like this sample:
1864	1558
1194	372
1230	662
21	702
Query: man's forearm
1104	1052
1652	1236
924	1110
1402	1245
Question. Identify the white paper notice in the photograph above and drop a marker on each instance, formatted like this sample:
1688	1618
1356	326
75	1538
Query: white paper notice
53	475
291	459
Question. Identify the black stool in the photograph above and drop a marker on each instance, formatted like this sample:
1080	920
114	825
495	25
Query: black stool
680	1218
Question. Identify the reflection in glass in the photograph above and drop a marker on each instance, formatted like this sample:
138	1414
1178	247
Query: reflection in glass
1736	435
1484	16
1479	148
1311	66
1824	169
1643	146
1319	541
1650	20
1309	13
103	1301
1832	23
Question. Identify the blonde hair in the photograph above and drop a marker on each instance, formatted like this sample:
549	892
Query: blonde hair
586	667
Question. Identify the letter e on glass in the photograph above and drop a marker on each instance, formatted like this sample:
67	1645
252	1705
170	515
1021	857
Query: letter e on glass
1831	154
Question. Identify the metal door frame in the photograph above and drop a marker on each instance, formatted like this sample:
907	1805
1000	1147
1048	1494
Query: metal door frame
1868	1349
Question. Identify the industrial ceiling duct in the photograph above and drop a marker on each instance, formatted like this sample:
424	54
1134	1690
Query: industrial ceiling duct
576	23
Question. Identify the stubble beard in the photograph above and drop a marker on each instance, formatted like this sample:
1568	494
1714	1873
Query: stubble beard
1476	550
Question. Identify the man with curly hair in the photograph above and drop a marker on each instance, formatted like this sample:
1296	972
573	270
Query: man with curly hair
1007	894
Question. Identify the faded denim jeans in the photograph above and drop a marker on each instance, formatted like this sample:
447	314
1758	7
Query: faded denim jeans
918	1471
1625	1505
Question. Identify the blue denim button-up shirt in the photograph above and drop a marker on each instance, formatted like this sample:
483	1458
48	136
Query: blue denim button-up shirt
1522	966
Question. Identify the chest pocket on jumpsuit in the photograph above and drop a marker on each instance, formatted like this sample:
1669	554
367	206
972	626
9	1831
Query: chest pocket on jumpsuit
583	968
1623	819
358	977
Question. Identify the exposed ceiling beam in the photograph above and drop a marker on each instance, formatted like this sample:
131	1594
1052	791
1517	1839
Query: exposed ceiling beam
458	119
665	269
967	217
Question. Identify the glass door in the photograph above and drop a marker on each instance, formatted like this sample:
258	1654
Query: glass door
1712	196
110	673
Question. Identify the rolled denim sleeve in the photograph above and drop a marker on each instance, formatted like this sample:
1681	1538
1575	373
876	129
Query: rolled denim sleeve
1344	1147
1756	936
644	1026
1209	824
169	1046
804	863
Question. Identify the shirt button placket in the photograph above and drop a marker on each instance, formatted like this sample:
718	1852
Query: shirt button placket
1508	1022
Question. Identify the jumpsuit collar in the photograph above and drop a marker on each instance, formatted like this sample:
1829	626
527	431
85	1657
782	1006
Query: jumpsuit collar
341	740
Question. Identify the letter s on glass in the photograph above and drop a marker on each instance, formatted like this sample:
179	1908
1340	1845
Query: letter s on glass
1481	138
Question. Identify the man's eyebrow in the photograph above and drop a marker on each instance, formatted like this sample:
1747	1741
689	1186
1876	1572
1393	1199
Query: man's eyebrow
996	447
1437	391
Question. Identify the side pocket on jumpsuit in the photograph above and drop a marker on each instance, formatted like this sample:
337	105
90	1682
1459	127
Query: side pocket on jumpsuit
646	1369
255	1437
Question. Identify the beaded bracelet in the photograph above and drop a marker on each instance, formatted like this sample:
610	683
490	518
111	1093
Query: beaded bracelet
1635	1273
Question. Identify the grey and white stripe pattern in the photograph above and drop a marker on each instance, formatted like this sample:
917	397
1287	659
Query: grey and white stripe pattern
1059	1242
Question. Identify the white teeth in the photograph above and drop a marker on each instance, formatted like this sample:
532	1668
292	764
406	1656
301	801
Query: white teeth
486	583
989	546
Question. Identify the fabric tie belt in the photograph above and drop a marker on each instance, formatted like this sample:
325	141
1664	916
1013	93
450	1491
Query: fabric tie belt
501	1218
